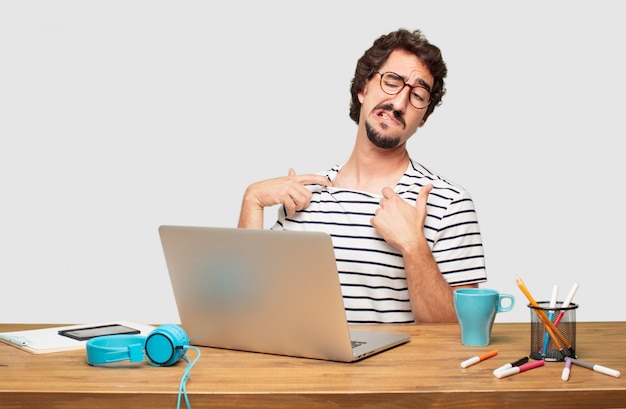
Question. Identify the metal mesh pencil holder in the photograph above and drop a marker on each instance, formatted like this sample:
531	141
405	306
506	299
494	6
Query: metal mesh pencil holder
552	331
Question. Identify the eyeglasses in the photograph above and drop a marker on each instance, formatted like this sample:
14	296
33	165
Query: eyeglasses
392	84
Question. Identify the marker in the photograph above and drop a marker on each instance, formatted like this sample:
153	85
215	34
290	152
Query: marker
566	303
597	368
566	369
519	362
552	330
546	337
476	359
18	340
518	369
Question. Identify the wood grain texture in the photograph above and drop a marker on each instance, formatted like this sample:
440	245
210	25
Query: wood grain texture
425	373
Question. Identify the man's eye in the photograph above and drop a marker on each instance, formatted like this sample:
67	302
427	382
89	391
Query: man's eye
420	95
393	84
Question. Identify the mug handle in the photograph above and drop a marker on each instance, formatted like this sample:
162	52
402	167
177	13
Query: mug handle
502	297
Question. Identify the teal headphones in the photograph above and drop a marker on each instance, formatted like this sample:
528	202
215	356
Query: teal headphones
163	347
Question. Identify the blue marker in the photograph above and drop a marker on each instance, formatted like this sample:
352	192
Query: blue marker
546	337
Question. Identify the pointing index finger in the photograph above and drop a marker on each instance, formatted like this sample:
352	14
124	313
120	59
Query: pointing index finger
311	178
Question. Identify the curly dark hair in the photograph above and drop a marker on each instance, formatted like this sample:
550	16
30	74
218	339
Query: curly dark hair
412	41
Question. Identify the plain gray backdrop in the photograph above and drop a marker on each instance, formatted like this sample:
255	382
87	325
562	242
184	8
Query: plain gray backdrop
119	116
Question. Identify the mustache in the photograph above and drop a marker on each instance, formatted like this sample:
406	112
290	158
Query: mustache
396	114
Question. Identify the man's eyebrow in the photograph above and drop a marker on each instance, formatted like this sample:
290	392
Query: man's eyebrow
420	82
424	84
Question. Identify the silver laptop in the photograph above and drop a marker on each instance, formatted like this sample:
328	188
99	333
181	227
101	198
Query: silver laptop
266	291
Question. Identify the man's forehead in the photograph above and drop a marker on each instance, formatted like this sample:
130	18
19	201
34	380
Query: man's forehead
409	66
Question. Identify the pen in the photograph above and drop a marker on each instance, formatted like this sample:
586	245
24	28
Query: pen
18	340
518	369
566	303
546	337
476	359
511	365
566	369
597	368
552	330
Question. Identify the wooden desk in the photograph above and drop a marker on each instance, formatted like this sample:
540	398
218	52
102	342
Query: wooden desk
425	373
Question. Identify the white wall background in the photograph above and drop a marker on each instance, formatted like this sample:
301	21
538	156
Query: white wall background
119	116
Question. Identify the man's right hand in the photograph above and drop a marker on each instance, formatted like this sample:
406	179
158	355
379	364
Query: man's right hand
290	191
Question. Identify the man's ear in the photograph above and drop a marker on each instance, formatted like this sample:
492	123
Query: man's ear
361	94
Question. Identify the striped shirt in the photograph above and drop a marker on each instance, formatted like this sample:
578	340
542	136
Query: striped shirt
371	271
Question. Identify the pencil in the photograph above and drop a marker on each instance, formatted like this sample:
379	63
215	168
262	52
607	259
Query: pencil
555	334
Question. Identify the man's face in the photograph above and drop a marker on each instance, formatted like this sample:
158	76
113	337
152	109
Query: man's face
390	120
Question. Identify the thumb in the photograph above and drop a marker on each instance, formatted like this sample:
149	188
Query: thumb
422	196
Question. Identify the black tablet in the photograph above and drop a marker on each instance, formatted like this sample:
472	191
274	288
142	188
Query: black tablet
83	334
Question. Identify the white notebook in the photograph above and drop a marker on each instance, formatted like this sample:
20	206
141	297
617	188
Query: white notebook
46	340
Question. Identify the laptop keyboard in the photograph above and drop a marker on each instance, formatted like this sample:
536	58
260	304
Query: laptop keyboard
357	343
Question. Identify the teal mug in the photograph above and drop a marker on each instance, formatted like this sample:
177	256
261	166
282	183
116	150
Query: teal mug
476	310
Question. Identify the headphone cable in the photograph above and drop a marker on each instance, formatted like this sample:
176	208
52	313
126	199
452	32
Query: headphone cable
182	389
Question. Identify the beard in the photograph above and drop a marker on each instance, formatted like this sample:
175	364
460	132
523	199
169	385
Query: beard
379	140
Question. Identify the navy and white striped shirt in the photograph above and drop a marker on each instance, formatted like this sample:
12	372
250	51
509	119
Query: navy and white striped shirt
371	271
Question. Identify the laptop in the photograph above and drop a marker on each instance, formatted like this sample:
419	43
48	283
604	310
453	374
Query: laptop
266	291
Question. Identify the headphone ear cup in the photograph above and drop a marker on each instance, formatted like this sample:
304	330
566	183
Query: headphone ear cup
166	345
